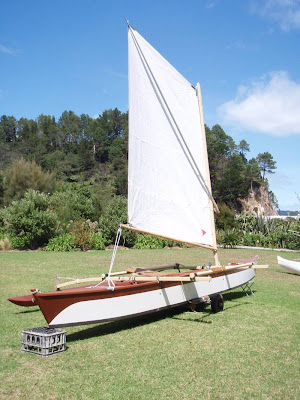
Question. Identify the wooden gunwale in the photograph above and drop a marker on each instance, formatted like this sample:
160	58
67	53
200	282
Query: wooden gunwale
152	275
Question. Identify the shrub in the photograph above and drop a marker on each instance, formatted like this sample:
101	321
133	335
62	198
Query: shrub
248	240
29	222
5	244
81	232
113	215
63	242
229	238
96	241
72	203
19	242
149	242
226	218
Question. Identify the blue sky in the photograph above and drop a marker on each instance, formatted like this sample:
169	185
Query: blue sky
72	55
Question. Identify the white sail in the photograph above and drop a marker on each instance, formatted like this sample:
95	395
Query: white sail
167	192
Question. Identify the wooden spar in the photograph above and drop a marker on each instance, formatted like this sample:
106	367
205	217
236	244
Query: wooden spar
133	270
132	228
138	278
216	270
203	275
161	278
76	281
212	203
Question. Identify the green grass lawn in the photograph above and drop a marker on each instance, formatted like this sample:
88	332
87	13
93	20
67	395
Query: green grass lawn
249	351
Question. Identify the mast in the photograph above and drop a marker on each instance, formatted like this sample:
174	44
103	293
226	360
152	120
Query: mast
208	182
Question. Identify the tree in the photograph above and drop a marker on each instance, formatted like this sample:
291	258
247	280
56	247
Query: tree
8	128
232	187
266	163
253	173
48	133
22	175
28	141
1	188
70	130
242	148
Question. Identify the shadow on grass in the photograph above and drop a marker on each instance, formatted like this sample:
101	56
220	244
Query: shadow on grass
109	328
208	313
117	326
28	311
236	295
202	317
289	273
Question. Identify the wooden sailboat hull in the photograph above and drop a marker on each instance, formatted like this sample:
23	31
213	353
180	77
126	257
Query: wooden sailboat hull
289	265
24	301
87	305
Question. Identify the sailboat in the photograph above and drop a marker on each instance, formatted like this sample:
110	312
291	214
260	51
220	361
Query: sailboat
169	196
289	265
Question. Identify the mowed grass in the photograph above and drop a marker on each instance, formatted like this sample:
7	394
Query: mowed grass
249	351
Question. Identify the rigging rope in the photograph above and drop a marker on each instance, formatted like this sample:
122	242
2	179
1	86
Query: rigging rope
111	283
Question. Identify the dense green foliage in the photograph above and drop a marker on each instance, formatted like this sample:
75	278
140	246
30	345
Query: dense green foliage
232	175
59	176
72	241
63	242
77	148
113	215
84	150
29	222
21	176
249	230
149	242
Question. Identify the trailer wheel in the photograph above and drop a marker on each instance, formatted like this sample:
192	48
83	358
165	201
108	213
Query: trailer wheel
216	303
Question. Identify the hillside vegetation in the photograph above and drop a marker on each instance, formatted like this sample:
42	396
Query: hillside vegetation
63	182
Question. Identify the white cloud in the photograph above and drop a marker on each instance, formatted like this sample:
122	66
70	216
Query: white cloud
284	12
270	105
210	3
7	50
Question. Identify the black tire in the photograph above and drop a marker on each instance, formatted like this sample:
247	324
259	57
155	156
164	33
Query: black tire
216	302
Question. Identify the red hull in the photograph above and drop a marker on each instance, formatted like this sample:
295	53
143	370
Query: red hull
55	302
24	301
